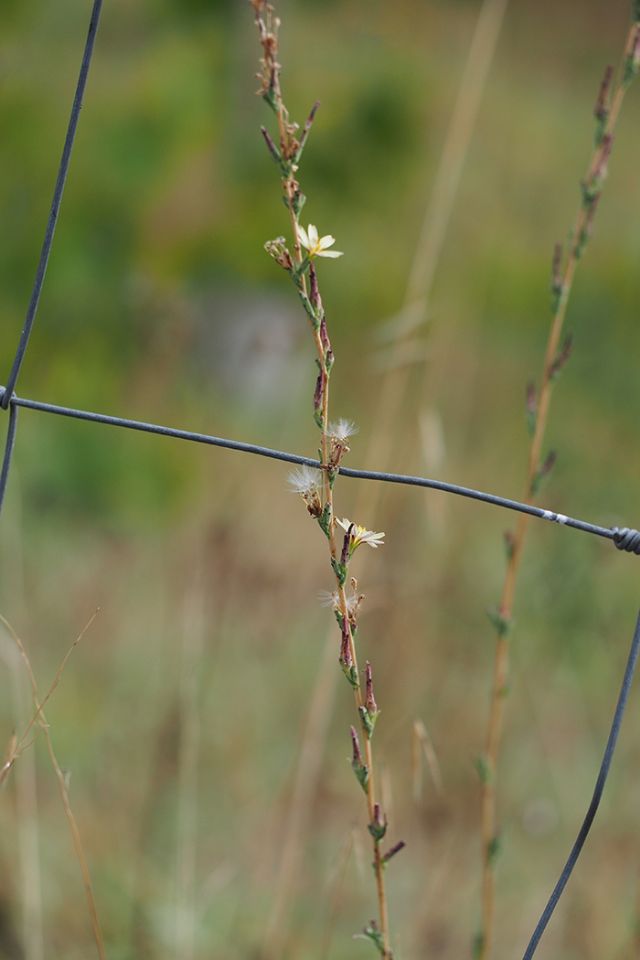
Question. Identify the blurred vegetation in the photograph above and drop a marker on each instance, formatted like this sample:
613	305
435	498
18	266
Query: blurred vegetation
160	304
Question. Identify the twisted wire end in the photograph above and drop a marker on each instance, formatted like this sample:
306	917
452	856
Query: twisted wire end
627	539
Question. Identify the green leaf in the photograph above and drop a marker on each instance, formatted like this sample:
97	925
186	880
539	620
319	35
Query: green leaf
324	520
483	769
340	571
368	720
494	849
501	624
478	946
351	674
361	771
372	933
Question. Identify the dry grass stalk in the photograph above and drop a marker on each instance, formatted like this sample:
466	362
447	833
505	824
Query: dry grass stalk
422	746
18	745
25	774
193	634
27	825
607	110
317	487
307	774
335	895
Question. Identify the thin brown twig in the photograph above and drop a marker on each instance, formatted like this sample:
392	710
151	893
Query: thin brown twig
563	282
191	649
41	720
422	745
335	896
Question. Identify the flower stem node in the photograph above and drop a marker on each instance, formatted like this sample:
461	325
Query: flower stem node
278	250
483	769
324	520
543	472
357	535
298	202
306	303
307	482
561	359
358	765
351	674
369	712
494	848
368	721
558	288
372	933
477	949
339	434
299	273
632	62
346	657
501	623
531	407
509	544
396	848
340	571
602	107
378	826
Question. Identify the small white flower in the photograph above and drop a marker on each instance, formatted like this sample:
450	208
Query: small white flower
307	482
330	598
314	245
342	429
304	480
360	535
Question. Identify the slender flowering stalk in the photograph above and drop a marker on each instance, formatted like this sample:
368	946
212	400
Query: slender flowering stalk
317	487
564	265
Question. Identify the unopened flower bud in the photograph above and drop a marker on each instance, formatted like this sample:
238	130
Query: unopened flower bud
370	700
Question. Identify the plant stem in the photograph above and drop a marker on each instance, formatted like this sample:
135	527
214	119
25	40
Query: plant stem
292	196
342	598
579	236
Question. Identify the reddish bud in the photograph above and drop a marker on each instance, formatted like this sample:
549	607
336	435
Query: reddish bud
601	109
355	744
556	268
370	700
345	646
314	292
317	393
346	543
396	848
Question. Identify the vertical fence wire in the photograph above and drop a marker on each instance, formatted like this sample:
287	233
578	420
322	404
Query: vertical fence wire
54	211
603	773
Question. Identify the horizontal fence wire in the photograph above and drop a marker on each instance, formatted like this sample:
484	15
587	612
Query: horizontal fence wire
624	538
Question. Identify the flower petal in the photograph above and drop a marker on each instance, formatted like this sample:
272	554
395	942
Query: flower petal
330	253
302	237
313	235
325	242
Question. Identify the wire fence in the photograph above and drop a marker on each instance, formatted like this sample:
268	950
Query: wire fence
624	538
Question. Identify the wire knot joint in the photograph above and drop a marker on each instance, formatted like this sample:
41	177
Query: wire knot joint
627	539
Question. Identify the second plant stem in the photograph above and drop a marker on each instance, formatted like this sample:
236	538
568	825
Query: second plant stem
596	173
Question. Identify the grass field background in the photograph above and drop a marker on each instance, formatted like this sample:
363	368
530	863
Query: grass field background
180	715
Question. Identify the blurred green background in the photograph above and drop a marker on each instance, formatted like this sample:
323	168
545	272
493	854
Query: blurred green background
180	716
